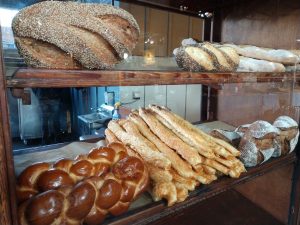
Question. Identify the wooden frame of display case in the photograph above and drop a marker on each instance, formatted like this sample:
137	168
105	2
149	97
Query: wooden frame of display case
30	78
156	213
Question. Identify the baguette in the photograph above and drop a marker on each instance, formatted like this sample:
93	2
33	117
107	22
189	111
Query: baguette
148	154
182	167
169	138
197	138
272	55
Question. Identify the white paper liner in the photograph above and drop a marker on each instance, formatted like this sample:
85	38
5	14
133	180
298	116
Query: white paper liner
230	135
69	151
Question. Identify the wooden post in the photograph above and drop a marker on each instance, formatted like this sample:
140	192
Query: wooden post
8	212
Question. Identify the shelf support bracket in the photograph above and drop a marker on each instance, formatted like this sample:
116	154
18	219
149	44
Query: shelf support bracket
22	94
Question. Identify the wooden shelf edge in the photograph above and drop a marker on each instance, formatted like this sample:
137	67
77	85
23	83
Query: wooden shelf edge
46	78
159	209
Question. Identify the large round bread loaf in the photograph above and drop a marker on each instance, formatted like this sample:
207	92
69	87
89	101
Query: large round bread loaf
70	35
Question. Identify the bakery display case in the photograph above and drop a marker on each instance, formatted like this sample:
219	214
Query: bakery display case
238	110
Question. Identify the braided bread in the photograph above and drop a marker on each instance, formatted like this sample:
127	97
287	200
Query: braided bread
90	200
41	177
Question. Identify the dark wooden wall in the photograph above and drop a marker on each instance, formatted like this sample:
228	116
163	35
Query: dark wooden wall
265	23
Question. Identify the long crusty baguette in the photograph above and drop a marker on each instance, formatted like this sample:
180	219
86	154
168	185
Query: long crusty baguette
258	65
272	55
180	125
201	146
168	137
70	35
149	155
178	164
210	139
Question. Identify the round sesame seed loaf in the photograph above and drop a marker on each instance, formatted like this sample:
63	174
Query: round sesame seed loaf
71	35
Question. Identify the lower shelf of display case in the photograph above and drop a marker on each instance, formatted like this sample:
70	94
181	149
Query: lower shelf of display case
159	213
145	211
227	208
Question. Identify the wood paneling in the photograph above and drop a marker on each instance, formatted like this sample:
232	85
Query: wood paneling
178	30
156	31
138	13
271	192
196	27
273	24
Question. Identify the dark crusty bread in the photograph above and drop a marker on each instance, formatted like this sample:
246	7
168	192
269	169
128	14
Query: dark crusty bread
72	35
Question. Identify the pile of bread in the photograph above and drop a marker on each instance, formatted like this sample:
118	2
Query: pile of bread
81	190
179	156
260	141
72	35
216	57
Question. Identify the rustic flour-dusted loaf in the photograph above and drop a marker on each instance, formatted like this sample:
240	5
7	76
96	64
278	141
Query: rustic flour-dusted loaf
207	57
85	190
289	133
258	143
71	35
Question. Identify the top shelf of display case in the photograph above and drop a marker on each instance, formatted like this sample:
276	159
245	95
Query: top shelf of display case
33	78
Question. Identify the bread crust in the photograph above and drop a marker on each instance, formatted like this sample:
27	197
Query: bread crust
188	153
149	155
96	35
182	167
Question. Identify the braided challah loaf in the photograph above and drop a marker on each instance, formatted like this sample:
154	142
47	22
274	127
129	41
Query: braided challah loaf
109	180
207	57
90	200
70	35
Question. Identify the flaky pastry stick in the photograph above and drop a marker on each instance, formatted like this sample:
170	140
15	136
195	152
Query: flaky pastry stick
132	129
182	193
166	190
216	165
202	147
224	144
149	155
169	138
209	170
182	167
159	175
195	138
187	183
